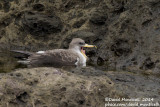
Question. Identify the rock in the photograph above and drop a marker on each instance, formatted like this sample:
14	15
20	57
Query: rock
78	24
136	86
121	47
122	30
38	7
126	33
75	87
55	87
98	17
148	64
40	24
0	6
6	6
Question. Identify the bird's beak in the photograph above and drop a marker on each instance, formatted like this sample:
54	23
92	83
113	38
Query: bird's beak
89	46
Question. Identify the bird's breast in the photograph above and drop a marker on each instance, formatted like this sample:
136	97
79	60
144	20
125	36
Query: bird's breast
82	59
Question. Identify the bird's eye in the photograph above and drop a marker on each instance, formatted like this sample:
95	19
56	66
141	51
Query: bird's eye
81	43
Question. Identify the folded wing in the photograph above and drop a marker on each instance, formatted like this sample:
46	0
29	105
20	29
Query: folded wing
56	58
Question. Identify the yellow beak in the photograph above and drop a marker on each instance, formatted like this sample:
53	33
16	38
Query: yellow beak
89	46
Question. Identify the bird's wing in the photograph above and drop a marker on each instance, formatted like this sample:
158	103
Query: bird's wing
54	58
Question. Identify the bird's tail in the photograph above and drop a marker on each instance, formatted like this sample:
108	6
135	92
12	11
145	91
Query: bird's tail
23	52
23	55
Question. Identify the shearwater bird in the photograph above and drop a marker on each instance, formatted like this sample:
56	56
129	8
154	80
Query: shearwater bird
73	56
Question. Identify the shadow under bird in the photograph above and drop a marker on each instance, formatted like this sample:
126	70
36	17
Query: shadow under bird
73	56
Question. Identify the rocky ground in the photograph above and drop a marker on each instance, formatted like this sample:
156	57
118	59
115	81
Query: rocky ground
79	87
50	87
126	32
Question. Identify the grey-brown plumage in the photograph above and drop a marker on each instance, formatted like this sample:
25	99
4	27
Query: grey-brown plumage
74	56
56	58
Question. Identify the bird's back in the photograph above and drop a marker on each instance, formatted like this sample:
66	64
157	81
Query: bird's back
55	58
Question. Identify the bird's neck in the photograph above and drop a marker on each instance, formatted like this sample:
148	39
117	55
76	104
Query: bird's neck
79	51
83	54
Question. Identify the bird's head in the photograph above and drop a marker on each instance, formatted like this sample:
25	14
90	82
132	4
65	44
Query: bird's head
78	45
